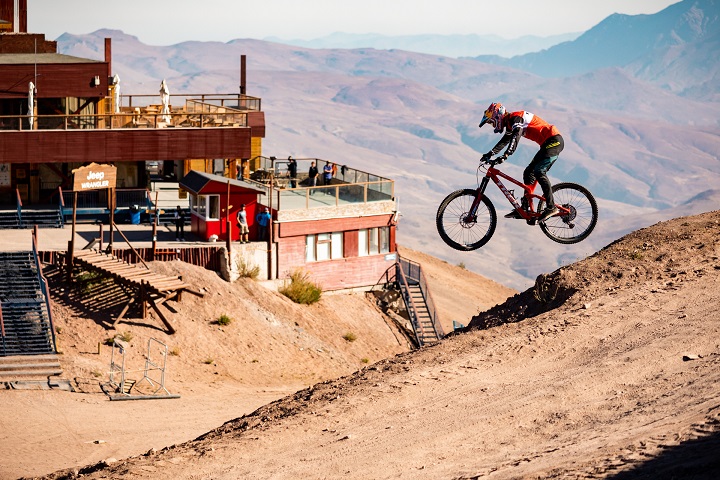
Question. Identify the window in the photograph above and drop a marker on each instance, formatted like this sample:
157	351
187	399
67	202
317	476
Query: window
373	241
206	206
213	210
323	246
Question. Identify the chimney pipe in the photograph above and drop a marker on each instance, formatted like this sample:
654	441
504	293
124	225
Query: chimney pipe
242	75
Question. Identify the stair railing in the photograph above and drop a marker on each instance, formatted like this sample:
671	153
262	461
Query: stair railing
61	207
2	331
18	200
412	308
43	286
416	274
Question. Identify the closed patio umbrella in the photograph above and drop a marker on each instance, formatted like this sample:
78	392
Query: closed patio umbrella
116	92
165	98
31	104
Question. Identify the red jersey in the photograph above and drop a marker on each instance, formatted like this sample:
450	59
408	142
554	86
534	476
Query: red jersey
533	127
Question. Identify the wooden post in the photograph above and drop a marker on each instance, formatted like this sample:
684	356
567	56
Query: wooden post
270	223
102	232
143	299
228	241
71	243
112	218
154	240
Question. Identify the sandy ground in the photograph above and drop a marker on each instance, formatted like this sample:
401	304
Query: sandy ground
608	368
271	349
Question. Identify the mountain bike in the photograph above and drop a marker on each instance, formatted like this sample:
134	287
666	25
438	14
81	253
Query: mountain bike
466	218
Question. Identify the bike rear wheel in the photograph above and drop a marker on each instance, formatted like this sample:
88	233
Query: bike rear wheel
458	227
579	223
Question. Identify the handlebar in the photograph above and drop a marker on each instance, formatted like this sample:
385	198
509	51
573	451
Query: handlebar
494	161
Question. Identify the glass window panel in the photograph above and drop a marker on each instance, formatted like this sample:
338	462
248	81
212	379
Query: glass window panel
337	245
310	248
384	239
362	243
373	241
323	246
202	208
214	207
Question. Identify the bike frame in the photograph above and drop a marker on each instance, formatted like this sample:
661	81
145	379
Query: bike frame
494	174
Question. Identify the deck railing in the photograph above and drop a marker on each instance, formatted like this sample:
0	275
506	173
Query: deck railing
125	198
348	186
197	111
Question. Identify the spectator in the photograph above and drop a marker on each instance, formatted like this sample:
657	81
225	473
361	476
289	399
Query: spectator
312	177
334	170
327	174
292	172
243	224
263	220
179	224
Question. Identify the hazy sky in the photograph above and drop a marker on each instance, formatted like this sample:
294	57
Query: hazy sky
166	22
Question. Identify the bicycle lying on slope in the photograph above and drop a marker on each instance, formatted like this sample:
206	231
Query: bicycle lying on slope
466	219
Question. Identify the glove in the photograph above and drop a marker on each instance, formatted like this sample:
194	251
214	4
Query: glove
501	158
486	157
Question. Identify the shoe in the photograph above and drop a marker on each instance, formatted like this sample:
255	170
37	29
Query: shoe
548	212
513	214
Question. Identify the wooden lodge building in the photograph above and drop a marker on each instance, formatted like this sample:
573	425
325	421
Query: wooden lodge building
59	112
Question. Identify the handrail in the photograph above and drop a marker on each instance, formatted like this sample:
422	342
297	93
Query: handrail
431	305
129	119
61	206
203	98
418	275
2	331
43	286
411	303
19	205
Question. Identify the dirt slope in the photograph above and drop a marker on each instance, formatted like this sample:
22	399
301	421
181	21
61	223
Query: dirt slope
272	348
617	378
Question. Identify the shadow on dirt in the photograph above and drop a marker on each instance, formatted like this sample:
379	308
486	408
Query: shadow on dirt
697	459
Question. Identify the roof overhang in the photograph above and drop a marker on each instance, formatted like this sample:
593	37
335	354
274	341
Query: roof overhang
198	182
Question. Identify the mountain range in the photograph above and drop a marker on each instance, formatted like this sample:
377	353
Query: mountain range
640	118
445	45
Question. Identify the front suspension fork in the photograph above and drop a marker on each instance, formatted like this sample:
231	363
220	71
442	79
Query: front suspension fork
479	194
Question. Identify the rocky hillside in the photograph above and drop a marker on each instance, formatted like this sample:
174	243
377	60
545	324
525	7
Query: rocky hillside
606	368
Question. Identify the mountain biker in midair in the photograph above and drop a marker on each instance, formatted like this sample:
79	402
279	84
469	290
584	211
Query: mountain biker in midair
525	124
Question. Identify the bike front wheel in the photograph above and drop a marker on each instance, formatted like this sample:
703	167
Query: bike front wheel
575	226
459	227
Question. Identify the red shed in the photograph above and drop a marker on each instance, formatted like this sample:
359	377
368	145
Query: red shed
210	205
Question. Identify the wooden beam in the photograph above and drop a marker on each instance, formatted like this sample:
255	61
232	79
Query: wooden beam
169	326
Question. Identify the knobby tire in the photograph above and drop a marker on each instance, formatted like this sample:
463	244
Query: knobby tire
457	228
581	221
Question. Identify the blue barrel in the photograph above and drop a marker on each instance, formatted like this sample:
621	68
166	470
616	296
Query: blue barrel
135	218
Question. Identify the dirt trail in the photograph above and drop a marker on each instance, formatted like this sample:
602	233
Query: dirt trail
609	368
272	348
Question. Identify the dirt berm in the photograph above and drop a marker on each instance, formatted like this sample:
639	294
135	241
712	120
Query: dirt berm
608	368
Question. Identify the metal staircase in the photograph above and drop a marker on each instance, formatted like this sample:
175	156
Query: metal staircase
418	301
43	218
9	219
27	218
25	321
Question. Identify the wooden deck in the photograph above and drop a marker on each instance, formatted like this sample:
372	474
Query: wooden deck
152	288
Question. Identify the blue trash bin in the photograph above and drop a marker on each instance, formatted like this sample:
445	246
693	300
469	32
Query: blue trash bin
134	215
